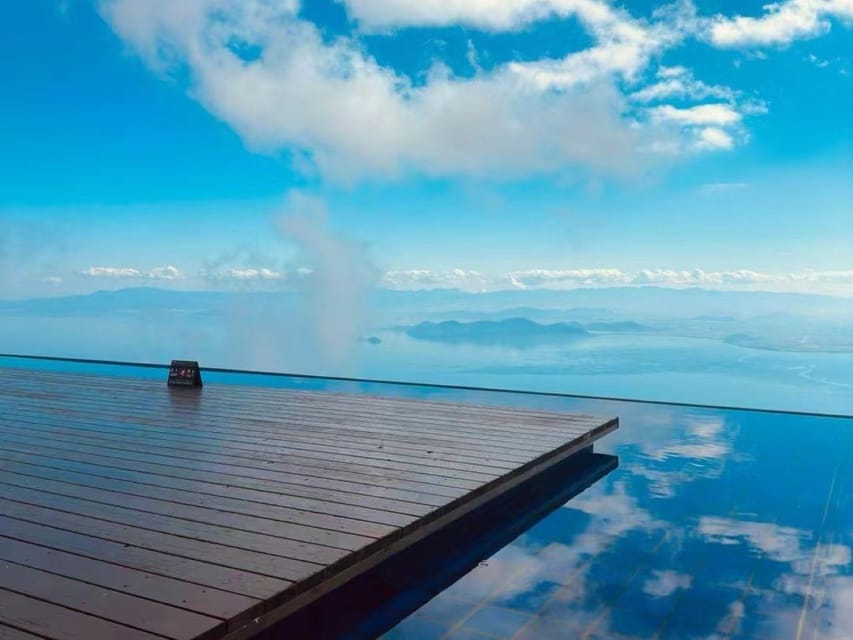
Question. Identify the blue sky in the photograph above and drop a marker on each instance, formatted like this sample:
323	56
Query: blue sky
480	144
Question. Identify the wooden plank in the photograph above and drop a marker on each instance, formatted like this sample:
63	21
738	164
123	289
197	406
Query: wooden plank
52	621
332	479
83	517
107	604
405	410
177	593
230	589
254	509
244	532
298	420
329	463
334	491
278	402
283	402
10	633
478	449
393	513
362	453
258	395
309	431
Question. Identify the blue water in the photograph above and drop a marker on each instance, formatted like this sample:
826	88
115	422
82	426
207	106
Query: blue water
717	524
639	366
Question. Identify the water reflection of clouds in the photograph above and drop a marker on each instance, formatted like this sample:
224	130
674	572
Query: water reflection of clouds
551	582
678	446
693	538
576	577
782	544
809	592
664	583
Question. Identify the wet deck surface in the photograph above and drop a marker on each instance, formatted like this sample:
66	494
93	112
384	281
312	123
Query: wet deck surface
131	511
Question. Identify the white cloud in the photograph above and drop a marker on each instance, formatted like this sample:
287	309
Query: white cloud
414	279
474	280
714	138
532	278
678	82
167	272
673	277
705	127
841	276
490	15
703	114
781	24
111	272
251	274
624	46
672	72
332	104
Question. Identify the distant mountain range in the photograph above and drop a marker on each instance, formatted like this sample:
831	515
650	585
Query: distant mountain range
585	305
776	321
145	300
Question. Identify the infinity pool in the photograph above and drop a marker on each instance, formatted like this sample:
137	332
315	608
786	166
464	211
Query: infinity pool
718	523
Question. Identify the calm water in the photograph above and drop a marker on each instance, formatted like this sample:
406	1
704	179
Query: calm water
717	524
645	367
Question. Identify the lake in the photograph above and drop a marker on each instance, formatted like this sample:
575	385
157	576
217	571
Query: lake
634	366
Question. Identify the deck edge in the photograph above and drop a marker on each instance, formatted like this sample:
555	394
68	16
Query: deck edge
411	535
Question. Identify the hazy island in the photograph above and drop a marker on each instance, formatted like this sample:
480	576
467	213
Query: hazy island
512	332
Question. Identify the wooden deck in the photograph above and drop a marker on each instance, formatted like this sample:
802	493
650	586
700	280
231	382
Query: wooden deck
131	511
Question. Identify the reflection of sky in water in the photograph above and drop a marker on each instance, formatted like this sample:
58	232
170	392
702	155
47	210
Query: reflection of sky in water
717	524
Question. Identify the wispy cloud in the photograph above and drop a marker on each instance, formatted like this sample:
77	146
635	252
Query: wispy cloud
678	82
781	23
262	274
429	279
167	272
473	280
111	272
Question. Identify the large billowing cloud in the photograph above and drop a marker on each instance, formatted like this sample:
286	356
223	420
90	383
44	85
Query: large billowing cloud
273	77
